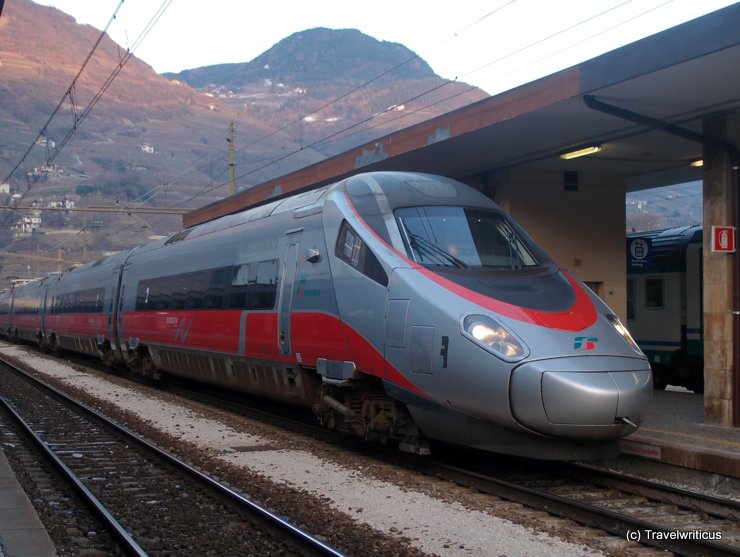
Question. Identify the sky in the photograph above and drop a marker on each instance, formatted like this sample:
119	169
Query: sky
494	44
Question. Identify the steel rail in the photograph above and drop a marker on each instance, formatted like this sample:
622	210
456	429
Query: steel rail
110	523
628	527
610	521
298	535
673	494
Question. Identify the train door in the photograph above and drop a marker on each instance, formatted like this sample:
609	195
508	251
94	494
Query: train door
285	304
115	315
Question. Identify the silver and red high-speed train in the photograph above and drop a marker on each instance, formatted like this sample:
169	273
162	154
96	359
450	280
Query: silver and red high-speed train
399	306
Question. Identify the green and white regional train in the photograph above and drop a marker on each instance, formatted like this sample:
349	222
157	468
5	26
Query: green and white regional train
664	303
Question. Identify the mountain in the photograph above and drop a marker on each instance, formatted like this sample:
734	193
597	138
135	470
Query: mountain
41	51
306	78
665	207
162	139
317	57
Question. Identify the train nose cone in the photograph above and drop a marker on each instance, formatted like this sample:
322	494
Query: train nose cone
589	397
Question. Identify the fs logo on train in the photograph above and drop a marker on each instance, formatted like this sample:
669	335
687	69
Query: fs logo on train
585	343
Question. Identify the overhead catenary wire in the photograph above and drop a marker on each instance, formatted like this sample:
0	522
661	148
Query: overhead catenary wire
210	187
550	54
438	87
78	117
67	93
70	93
345	95
111	77
150	195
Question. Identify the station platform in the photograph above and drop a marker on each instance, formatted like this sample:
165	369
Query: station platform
21	532
674	433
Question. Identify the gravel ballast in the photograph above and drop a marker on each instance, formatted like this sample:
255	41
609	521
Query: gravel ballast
421	513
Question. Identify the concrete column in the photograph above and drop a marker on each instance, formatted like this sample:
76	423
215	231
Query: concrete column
720	209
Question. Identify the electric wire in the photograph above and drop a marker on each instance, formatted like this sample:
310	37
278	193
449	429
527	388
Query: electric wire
338	135
550	54
333	136
71	93
111	77
67	93
436	88
557	33
208	188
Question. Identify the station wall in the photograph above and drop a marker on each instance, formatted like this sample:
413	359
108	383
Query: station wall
579	219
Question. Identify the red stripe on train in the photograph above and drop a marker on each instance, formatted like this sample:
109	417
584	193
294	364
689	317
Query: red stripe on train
78	324
313	335
580	315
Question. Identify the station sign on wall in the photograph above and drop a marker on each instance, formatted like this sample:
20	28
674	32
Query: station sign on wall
723	239
639	253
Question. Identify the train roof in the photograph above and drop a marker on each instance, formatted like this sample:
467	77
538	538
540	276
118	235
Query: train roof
400	189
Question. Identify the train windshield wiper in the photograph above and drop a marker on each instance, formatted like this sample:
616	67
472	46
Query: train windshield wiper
515	254
424	246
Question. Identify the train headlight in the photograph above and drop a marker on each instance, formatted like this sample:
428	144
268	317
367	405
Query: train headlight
615	322
492	336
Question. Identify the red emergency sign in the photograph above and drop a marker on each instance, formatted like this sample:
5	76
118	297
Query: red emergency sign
723	239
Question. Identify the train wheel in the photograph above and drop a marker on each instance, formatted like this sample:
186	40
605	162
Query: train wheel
142	364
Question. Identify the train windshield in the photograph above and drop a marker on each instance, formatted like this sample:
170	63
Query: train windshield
464	237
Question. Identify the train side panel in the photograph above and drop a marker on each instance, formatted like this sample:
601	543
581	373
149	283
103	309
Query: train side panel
659	313
27	319
79	308
250	307
6	307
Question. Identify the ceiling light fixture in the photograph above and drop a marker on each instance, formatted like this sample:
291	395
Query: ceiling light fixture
697	162
590	150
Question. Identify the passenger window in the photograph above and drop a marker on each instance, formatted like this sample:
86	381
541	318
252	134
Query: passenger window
198	282
654	293
241	275
352	250
265	287
630	298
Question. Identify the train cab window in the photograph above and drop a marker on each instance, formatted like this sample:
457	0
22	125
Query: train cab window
352	250
654	293
465	237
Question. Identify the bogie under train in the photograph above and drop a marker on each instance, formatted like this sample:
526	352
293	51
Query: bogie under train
398	306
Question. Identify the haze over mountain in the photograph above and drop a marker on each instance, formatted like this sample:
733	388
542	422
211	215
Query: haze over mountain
164	138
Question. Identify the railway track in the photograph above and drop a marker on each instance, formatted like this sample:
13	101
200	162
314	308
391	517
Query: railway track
150	502
629	509
648	513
